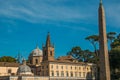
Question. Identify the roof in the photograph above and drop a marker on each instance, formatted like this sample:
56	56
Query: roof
24	69
9	64
65	58
69	60
36	52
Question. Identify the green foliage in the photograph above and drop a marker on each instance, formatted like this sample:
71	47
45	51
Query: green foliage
115	62
115	57
116	42
93	39
88	56
7	59
111	36
80	55
118	37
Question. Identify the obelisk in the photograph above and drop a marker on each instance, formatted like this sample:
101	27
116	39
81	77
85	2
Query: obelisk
104	57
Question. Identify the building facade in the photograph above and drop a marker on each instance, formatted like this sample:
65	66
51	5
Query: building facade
7	68
36	56
63	68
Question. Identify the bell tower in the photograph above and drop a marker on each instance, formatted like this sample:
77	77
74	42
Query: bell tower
48	50
104	57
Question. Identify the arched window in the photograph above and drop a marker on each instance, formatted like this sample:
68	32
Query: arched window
71	67
57	72
50	53
71	74
52	73
45	53
67	74
51	66
61	67
36	61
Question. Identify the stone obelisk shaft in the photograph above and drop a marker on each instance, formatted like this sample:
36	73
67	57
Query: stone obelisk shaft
104	57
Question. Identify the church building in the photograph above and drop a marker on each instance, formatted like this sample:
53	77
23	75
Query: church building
43	63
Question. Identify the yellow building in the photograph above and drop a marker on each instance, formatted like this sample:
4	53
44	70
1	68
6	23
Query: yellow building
7	68
63	68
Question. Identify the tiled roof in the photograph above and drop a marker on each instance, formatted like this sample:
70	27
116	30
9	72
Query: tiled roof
9	64
65	58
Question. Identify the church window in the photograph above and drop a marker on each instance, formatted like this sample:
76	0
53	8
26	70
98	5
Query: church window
66	67
84	68
79	68
9	71
75	74
83	74
50	53
51	66
75	68
36	61
71	74
56	67
62	73
91	69
52	73
71	67
61	67
67	73
79	74
87	69
45	53
57	72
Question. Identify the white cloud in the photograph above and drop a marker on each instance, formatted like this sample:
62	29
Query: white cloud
38	11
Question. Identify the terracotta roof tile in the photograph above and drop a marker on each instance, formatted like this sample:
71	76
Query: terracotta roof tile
9	64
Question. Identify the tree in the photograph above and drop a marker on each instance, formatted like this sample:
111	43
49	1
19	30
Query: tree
118	37
80	55
93	39
116	42
76	53
7	59
115	57
87	56
111	37
115	62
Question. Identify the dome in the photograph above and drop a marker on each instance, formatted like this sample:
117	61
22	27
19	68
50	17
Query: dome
24	69
36	52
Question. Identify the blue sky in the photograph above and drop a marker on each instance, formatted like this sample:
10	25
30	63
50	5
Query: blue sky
23	24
